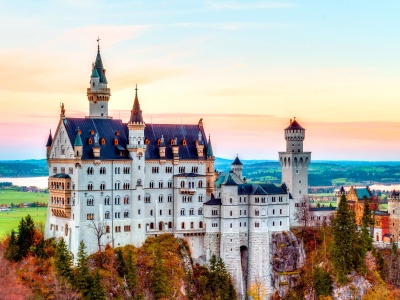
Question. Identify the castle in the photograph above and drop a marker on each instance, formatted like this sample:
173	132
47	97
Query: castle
115	183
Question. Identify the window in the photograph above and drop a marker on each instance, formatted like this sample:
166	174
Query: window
116	185
256	212
214	212
127	170
117	215
200	211
191	225
181	169
90	202
139	182
280	199
127	186
90	186
273	211
107	201
230	213
102	186
182	212
117	200
169	198
195	169
160	212
151	184
117	170
182	184
127	228
90	171
90	216
102	170
170	184
200	198
117	228
200	224
107	215
126	200
280	211
55	170
160	199
263	200
103	141
169	211
151	212
71	171
214	224
257	200
126	214
62	170
183	225
154	170
151	225
107	229
147	199
160	184
256	224
191	212
168	169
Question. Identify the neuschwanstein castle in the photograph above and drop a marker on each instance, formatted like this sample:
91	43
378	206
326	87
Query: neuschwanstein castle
135	180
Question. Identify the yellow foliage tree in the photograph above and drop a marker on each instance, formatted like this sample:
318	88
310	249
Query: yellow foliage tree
257	290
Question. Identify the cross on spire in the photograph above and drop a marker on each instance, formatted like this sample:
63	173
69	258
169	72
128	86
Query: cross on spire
136	90
98	44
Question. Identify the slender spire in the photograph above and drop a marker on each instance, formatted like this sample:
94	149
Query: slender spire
49	140
78	139
237	161
136	112
98	65
209	148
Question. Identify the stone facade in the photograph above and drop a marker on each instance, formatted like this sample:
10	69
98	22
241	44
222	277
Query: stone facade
133	180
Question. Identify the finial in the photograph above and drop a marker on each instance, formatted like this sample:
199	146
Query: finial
62	109
98	44
136	90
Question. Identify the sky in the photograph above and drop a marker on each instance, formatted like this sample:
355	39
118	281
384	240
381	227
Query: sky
245	67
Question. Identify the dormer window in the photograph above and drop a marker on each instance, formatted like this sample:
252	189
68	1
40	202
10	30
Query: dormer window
116	142
117	133
90	141
184	142
172	141
92	132
103	141
146	141
158	142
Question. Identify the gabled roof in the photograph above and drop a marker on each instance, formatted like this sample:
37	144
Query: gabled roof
363	193
237	161
49	140
294	125
180	132
136	112
260	189
109	129
230	181
213	201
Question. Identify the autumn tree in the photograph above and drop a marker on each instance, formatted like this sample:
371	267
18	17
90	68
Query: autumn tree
159	279
303	213
257	290
345	238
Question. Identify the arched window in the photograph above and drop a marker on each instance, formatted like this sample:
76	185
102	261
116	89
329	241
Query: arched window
102	186
90	186
107	201
200	211
90	202
200	224
152	225
90	141
200	184
116	142
182	212
107	215
191	212
191	225
169	225
103	141
126	214
183	225
184	142
182	184
139	182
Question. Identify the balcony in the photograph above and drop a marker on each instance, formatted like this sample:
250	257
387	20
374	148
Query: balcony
188	191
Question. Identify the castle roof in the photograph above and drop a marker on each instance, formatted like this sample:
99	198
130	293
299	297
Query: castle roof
237	161
213	201
260	189
178	132
230	181
209	148
294	125
49	140
362	193
60	176
98	65
136	112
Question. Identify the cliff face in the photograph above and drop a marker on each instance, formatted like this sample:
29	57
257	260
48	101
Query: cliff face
287	256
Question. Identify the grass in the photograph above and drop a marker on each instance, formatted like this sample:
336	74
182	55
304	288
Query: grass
10	219
8	196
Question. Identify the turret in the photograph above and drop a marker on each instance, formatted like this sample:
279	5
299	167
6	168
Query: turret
98	94
210	173
48	144
294	136
78	145
237	167
136	125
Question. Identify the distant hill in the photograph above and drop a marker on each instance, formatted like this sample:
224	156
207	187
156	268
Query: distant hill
321	173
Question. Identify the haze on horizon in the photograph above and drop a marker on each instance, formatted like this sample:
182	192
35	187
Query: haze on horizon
246	68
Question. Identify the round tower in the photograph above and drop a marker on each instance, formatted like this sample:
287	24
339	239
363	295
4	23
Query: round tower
394	211
294	163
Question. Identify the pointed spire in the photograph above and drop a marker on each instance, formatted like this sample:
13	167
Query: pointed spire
98	65
78	139
49	140
209	148
237	161
136	112
230	181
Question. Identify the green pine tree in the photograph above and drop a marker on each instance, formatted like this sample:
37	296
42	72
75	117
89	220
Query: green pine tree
96	290
366	223
159	279
345	238
26	231
63	260
131	276
82	277
121	266
322	282
12	250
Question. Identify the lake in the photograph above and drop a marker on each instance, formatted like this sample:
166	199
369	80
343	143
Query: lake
40	182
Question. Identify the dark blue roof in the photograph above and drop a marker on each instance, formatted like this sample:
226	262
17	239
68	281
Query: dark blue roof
49	140
106	128
60	176
181	132
260	189
237	161
213	201
327	208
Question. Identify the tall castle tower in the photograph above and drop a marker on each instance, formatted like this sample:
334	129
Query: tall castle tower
294	163
98	94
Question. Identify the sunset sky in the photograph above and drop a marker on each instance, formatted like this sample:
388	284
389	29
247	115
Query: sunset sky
245	67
